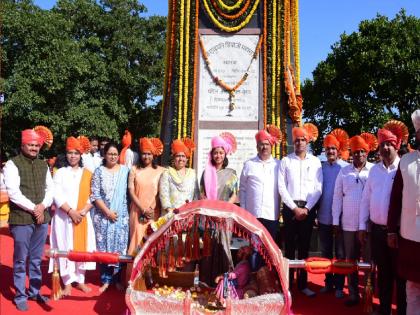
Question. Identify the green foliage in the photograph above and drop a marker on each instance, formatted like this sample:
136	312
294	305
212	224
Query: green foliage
370	76
84	67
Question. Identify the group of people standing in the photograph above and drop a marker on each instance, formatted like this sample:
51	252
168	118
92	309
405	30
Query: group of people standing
107	202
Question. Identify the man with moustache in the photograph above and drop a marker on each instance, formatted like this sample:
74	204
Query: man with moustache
374	207
404	219
336	146
346	203
300	186
258	192
30	189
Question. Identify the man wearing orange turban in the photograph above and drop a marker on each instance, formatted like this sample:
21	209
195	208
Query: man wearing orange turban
374	211
334	143
346	204
127	156
30	189
404	219
300	187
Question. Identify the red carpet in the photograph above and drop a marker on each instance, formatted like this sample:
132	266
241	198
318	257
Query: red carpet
112	301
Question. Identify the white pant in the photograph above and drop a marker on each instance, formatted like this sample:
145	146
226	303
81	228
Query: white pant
77	276
413	298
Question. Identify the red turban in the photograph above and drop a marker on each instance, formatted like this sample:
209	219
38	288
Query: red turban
30	135
272	134
153	145
73	144
385	135
185	145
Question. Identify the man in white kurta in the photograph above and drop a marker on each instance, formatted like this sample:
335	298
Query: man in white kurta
67	182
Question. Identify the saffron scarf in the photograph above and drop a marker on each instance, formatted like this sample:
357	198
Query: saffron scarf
80	231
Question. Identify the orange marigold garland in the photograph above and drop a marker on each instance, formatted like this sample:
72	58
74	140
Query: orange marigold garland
231	90
265	62
233	16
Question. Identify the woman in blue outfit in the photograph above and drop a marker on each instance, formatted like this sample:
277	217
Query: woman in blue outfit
110	218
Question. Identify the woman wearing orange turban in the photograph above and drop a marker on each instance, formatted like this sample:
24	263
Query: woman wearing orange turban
143	187
71	226
179	183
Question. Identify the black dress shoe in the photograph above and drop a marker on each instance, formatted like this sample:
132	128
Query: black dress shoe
39	298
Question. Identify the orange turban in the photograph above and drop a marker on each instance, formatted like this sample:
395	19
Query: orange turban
185	145
308	131
366	141
153	145
73	144
30	135
271	133
339	139
126	142
84	144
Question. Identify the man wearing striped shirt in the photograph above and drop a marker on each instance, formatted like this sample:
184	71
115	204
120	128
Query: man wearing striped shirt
346	203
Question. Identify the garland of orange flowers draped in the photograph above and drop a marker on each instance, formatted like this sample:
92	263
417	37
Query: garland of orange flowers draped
230	89
274	63
295	36
234	16
278	79
230	25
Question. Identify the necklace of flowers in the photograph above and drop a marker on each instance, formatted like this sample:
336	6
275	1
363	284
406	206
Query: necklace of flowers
230	89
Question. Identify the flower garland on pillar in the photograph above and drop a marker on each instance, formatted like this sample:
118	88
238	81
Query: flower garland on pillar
181	67
294	13
196	63
187	67
265	63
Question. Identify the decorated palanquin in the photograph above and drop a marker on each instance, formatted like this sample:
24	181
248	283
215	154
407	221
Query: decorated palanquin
159	286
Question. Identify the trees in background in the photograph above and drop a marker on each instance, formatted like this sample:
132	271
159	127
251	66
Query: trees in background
84	67
370	76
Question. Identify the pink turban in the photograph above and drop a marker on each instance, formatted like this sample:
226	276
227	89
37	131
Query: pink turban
227	141
385	135
30	135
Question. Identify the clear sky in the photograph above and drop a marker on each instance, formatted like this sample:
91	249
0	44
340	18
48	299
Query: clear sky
321	22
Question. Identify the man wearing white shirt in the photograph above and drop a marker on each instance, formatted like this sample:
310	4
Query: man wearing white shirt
300	187
346	203
404	220
374	206
258	190
30	189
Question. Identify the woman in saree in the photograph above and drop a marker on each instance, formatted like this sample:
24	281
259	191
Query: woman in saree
178	184
219	182
110	219
71	226
143	187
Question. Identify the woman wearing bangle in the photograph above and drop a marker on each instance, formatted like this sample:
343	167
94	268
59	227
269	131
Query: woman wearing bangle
143	187
110	219
71	228
179	183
